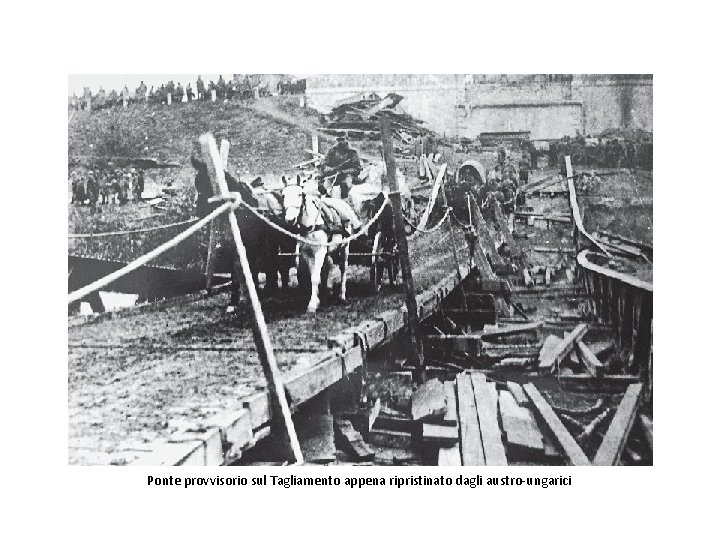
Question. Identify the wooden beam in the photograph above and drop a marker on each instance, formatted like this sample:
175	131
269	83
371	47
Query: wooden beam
647	425
471	447
281	410
441	435
553	355
450	456
487	409
518	393
594	366
451	415
403	254
613	444
353	441
572	453
428	401
521	431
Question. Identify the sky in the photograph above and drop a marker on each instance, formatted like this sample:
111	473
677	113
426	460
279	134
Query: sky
76	83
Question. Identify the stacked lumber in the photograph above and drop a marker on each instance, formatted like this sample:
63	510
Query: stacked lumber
360	119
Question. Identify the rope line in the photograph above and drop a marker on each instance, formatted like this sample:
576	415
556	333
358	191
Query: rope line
135	231
97	285
304	240
432	229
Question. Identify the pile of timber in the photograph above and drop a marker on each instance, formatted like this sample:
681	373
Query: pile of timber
360	119
489	423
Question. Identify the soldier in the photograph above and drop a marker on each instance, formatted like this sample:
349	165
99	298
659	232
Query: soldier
189	92
178	94
139	184
104	185
221	88
344	161
200	88
524	166
501	155
91	189
125	96
113	98
142	92
101	98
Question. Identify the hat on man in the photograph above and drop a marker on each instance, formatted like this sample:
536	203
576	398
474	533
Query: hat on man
258	182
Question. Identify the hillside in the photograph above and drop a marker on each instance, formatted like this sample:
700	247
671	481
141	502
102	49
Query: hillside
262	143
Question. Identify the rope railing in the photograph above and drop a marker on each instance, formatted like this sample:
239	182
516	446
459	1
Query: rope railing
432	229
233	202
134	231
304	240
102	282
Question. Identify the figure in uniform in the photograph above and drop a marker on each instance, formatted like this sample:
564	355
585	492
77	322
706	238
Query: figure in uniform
200	88
344	161
189	92
221	88
524	166
141	92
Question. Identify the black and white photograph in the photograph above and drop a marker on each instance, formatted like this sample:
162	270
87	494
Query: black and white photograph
360	269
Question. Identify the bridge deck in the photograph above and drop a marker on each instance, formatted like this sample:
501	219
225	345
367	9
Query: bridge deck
145	376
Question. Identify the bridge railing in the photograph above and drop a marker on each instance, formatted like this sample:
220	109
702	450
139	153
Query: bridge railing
620	300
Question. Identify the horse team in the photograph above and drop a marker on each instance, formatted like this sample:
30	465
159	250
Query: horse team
325	223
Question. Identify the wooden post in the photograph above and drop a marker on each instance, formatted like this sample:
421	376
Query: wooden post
210	260
282	419
455	253
395	198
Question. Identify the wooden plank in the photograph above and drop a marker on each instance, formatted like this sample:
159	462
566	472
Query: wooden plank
450	457
594	366
613	444
511	330
442	435
518	393
451	415
487	410
471	448
553	355
547	353
428	401
317	437
521	433
572	453
353	441
647	426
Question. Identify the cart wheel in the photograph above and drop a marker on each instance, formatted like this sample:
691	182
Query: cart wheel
376	264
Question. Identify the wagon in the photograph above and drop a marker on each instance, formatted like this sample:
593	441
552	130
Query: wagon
377	249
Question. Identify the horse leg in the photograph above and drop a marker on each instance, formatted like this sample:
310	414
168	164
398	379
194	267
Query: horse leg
235	271
343	271
318	261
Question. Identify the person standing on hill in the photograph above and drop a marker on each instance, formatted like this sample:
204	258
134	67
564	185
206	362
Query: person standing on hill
189	92
141	92
200	88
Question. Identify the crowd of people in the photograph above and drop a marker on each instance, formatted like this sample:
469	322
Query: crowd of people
107	185
603	152
172	92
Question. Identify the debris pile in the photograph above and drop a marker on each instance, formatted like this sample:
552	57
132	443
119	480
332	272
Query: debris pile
359	118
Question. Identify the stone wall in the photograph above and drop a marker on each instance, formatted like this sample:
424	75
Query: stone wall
549	106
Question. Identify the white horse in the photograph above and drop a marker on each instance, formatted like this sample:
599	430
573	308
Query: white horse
303	212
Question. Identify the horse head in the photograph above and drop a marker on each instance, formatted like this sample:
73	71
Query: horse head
293	201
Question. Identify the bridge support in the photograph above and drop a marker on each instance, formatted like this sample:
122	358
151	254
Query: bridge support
282	418
408	284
